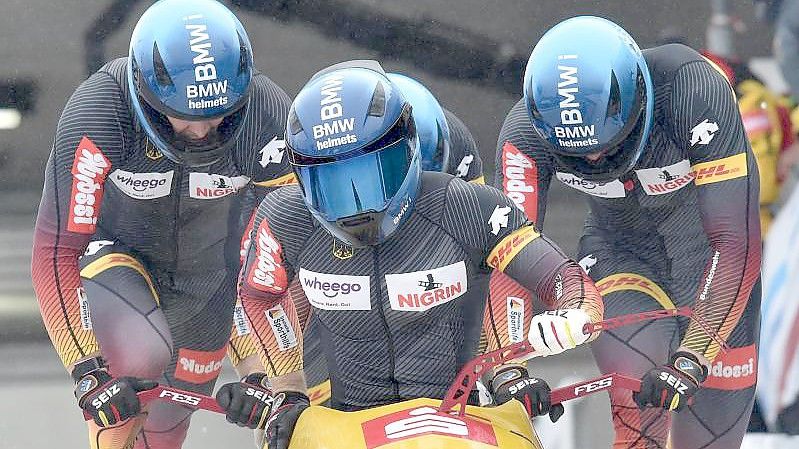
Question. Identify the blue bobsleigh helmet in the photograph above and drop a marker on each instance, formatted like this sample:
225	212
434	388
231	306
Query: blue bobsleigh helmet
192	60
588	92
352	143
431	124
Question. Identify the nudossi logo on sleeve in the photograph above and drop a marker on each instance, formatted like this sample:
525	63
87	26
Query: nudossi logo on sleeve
734	370
336	291
422	290
267	273
89	170
199	367
519	178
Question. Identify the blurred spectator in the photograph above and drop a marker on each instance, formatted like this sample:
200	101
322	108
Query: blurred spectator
778	377
786	41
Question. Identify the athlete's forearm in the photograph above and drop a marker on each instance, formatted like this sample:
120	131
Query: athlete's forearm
733	230
56	281
276	332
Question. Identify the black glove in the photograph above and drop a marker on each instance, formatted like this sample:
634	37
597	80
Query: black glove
107	399
672	386
289	406
247	403
513	382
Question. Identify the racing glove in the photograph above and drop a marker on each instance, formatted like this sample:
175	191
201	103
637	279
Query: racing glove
555	331
249	402
288	407
672	386
107	399
514	382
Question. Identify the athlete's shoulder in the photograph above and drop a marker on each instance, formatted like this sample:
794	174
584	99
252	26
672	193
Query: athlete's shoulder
286	212
261	146
97	115
464	157
665	61
479	215
517	129
268	97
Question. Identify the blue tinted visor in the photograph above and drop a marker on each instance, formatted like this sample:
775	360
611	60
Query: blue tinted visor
365	182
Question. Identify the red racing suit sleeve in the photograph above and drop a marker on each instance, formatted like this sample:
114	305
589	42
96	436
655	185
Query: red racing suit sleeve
264	294
523	173
707	121
509	243
537	264
523	168
88	141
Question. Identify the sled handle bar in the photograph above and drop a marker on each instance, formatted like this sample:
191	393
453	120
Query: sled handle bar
185	398
595	385
559	395
458	393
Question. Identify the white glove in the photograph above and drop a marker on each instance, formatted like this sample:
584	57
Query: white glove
555	331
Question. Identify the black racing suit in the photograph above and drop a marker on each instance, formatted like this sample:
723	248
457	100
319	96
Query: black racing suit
157	283
397	320
681	228
465	163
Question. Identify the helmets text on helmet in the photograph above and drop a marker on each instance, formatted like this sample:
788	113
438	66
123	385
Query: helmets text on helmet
204	69
572	133
330	109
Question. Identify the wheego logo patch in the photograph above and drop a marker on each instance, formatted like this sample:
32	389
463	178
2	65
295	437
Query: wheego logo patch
89	169
209	186
143	186
422	290
335	291
206	92
421	421
330	112
520	175
613	189
281	327
199	367
267	273
733	370
657	181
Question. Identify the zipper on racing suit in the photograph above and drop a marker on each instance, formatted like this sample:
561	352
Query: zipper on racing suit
391	355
